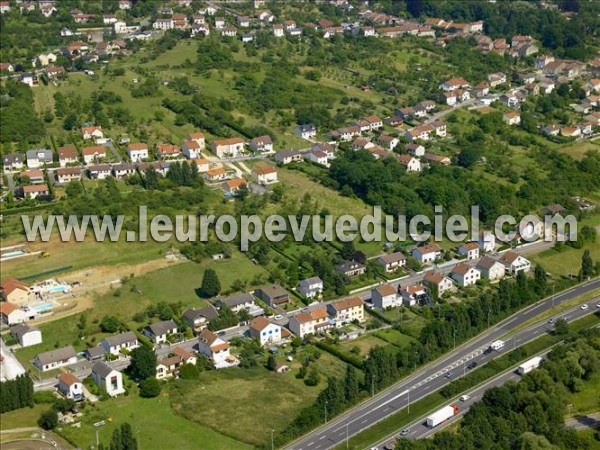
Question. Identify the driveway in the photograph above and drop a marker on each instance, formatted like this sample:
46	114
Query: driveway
10	367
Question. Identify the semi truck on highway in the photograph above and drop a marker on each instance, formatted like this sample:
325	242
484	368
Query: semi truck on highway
442	415
528	366
497	345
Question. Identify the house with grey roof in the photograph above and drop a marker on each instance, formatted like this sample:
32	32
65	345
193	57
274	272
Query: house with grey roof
108	379
95	353
27	335
118	342
273	295
198	318
38	157
159	331
311	287
13	161
55	358
239	301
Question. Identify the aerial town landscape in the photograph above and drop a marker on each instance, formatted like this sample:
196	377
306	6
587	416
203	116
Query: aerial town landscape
185	109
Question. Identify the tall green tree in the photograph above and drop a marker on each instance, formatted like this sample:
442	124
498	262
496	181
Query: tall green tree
143	363
587	265
211	286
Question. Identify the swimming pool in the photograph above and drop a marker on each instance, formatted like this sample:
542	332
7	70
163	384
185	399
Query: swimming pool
43	308
12	254
60	288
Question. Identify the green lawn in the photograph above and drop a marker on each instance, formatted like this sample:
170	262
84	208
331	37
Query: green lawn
244	404
394	337
154	422
587	400
578	149
567	261
364	343
411	322
22	418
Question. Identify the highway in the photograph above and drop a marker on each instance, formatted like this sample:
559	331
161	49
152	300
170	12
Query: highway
434	376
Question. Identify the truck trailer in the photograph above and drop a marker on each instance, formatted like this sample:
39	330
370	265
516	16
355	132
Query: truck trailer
497	345
528	366
442	415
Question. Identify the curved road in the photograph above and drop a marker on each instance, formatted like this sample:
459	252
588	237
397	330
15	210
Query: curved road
433	376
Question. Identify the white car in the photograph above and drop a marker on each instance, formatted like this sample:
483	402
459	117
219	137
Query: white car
584	306
278	317
598	305
464	398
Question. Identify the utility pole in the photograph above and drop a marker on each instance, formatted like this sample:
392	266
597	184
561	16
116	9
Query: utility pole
272	441
553	296
409	401
347	442
454	338
326	411
372	386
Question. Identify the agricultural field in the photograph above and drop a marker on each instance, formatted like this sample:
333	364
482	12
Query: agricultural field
567	261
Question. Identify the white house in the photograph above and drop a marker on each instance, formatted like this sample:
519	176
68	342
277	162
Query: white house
159	332
491	269
470	250
465	275
317	157
137	152
108	379
39	157
261	144
70	386
93	154
92	132
511	118
411	295
311	287
311	322
384	296
437	281
411	163
238	302
214	348
347	310
265	175
514	263
427	253
392	261
27	335
266	332
228	148
11	313
306	131
120	342
55	359
487	241
191	149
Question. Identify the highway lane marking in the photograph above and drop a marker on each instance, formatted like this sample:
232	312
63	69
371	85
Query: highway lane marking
322	437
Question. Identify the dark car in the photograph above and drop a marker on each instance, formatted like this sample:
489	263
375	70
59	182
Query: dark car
472	365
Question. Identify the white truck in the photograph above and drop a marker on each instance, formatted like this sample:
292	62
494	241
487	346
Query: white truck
497	345
442	415
528	366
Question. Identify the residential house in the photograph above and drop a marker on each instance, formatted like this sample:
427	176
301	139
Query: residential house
108	379
388	142
384	296
351	269
95	353
453	84
38	158
465	275
449	98
93	154
273	295
70	386
413	295
137	152
288	157
14	291
123	170
119	343
482	89
317	157
491	269
265	175
514	263
470	250
306	131
214	348
551	130
34	191
311	322
261	144
238	302
311	287
67	155
220	22
229	31
163	24
159	332
216	174
394	121
411	163
265	331
65	175
496	79
92	132
27	335
415	149
191	149
13	161
392	261
166	151
278	30
243	21
375	122
198	318
55	358
427	253
347	310
34	176
11	314
570	131
29	78
228	148
437	282
100	171
234	185
511	118
169	367
486	241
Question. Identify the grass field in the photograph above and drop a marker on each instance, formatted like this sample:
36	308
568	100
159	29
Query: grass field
566	261
154	422
364	343
22	418
578	149
394	337
411	322
587	400
245	405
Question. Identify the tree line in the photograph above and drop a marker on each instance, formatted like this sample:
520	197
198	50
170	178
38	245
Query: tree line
16	393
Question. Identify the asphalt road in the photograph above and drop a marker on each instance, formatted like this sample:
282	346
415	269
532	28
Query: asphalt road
433	376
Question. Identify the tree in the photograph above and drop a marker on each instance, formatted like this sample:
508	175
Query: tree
312	379
352	385
211	286
587	266
348	250
150	388
189	372
110	324
48	420
271	363
143	363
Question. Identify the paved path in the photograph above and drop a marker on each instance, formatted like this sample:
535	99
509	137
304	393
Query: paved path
10	367
584	422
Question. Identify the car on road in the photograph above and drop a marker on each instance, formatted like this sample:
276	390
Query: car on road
472	365
551	320
597	305
464	398
221	333
584	306
278	317
448	375
405	432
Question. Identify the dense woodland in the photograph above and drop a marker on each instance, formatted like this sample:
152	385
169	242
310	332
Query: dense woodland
16	394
